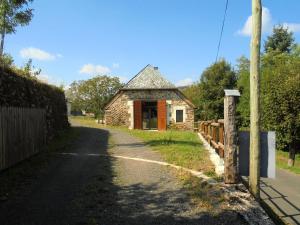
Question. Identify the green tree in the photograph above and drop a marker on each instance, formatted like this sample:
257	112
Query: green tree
74	95
281	100
6	60
92	95
193	93
243	84
280	41
12	14
214	80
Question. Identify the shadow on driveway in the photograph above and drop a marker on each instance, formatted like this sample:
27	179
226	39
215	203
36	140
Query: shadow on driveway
81	189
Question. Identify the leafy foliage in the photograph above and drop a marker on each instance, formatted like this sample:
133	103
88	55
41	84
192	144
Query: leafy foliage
279	90
281	40
13	13
214	80
92	95
281	97
6	61
19	91
243	75
207	95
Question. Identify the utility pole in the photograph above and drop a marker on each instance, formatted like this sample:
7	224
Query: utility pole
254	170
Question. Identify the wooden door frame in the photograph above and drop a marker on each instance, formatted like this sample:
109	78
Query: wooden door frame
162	114
137	115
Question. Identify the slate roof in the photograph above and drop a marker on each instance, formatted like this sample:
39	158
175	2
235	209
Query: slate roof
149	78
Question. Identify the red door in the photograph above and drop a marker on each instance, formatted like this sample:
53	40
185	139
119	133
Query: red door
161	115
137	114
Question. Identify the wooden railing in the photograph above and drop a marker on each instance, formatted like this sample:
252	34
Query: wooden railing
213	132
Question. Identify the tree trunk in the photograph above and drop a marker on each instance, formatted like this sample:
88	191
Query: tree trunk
292	154
2	43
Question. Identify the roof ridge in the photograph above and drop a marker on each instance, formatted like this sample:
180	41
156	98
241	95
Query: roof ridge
137	74
148	78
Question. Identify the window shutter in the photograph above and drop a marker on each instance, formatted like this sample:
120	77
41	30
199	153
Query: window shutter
161	115
137	114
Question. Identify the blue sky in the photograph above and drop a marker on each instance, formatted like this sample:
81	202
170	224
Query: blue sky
74	40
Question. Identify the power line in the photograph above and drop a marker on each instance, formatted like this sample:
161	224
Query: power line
221	34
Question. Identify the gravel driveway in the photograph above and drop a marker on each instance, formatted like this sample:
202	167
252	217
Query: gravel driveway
85	188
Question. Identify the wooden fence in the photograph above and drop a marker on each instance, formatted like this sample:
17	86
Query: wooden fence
213	132
22	134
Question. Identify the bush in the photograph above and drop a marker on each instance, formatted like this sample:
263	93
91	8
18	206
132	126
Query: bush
19	91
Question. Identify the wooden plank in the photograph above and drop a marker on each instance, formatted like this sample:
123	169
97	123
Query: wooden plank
22	134
161	114
137	113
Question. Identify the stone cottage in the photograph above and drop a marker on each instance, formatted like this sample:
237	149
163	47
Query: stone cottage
150	102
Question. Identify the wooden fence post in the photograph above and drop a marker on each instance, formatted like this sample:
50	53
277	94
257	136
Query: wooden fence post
230	139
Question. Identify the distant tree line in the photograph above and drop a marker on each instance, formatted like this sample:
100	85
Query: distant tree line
279	87
93	94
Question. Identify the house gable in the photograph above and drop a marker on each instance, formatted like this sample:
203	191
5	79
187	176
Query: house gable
149	78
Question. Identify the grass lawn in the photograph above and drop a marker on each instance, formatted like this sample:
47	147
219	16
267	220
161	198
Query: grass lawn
282	160
182	148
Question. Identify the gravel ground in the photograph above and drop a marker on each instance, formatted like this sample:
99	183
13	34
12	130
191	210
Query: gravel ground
82	189
151	194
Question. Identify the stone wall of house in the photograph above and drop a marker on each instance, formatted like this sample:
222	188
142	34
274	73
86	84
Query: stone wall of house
118	112
188	124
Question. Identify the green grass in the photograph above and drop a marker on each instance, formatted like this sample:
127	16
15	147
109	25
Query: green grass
282	160
182	148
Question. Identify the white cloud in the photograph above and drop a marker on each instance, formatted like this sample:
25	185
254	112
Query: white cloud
94	69
293	27
123	79
35	53
115	65
46	78
184	82
267	24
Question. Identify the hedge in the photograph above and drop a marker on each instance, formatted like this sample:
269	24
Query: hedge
18	91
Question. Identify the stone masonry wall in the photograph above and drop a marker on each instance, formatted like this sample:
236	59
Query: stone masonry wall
188	124
117	113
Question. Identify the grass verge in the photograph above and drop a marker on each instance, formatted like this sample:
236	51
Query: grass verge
182	148
282	162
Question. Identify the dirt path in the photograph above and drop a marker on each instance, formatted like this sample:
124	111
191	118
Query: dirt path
150	192
83	188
